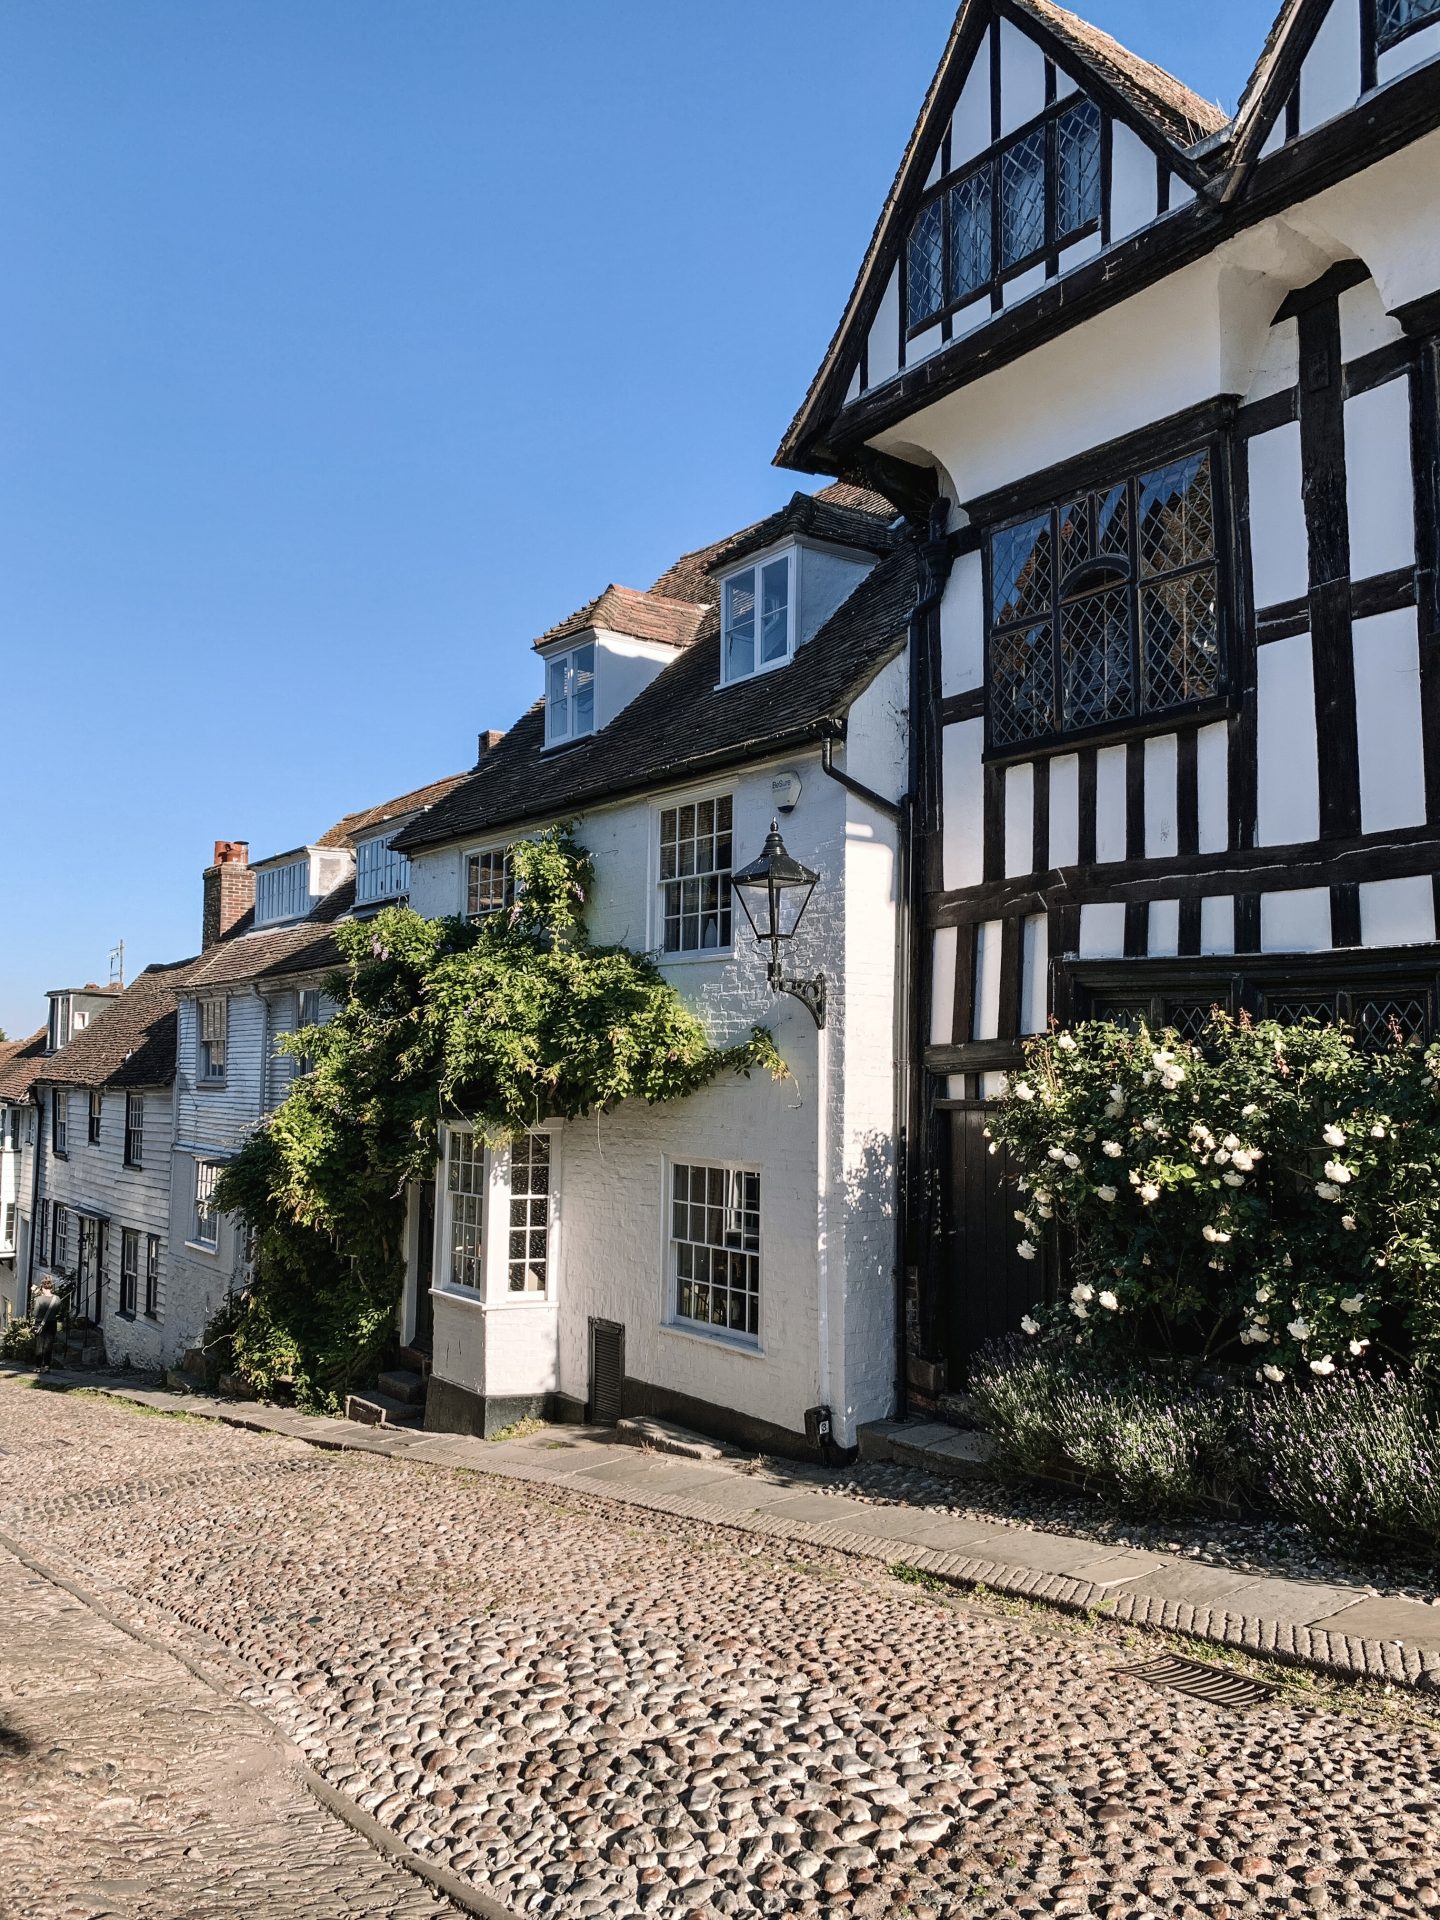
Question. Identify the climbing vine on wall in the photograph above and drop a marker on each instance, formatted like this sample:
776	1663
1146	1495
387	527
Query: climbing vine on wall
505	1024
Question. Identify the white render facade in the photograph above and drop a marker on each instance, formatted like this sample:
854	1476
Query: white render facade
818	1145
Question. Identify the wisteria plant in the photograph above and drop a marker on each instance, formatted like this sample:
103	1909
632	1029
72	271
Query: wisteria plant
1267	1191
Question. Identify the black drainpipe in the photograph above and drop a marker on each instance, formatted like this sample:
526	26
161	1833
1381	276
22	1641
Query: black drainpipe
936	558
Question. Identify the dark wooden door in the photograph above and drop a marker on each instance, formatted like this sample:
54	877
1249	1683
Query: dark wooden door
985	1286
423	1338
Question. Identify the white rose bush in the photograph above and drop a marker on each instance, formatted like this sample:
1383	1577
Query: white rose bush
1269	1194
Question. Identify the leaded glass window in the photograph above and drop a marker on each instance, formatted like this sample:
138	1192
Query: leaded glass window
1394	19
1026	199
1106	607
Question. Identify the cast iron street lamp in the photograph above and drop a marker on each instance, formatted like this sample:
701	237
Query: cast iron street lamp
780	889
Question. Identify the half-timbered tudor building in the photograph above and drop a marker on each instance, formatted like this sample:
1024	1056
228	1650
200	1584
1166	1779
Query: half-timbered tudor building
725	1260
1157	389
268	950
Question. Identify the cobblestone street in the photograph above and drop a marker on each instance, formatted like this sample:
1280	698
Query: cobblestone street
586	1711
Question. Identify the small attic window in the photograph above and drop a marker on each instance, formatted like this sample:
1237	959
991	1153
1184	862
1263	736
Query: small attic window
570	694
758	620
282	893
380	872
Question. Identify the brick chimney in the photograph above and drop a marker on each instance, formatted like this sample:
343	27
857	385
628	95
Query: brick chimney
491	737
229	890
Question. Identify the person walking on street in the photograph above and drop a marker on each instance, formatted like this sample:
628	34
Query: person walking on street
45	1315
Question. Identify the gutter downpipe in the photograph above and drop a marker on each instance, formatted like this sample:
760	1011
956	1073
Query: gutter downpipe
936	559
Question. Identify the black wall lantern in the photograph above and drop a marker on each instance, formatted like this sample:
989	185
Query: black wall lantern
780	889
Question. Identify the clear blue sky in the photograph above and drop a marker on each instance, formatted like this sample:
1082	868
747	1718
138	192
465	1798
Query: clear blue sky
347	344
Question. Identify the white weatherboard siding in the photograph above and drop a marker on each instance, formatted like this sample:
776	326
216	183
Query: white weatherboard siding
821	1140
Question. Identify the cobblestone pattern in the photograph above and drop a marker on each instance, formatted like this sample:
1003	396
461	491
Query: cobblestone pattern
599	1711
127	1788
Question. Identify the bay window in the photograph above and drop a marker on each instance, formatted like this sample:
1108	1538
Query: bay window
496	1232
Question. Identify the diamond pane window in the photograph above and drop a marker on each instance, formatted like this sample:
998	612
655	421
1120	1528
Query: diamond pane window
1396	18
1022	198
1077	169
529	1244
972	251
926	285
1398	1020
715	1249
1129	617
1020	570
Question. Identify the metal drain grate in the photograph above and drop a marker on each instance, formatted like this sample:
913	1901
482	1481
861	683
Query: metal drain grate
1215	1684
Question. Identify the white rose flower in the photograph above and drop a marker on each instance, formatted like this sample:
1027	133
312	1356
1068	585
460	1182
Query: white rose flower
1222	1156
1262	1294
1151	1123
1244	1159
1081	1292
1072	1161
1080	1310
1333	1136
1337	1171
1273	1374
1112	1149
1046	1213
1055	1153
1023	1090
1110	1302
1248	1113
1234	1179
1027	1325
1377	1132
1216	1236
1066	1043
1327	1365
1020	1218
1257	1335
1149	1192
1230	1142
994	1147
1107	1194
1299	1329
1043	1196
1026	1250
1326	1191
1347	1221
1357	1347
1352	1303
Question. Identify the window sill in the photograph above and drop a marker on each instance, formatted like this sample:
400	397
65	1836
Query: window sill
154	1318
132	1166
198	1246
744	1349
464	1297
688	956
210	1086
1113	733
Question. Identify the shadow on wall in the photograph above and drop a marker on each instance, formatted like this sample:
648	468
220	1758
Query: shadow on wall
869	1210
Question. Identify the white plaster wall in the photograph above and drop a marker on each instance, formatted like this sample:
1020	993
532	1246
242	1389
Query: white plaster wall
1212	779
962	799
1022	78
827	580
1035	974
943	951
883	352
987	981
1065	810
1279	544
1110	804
1162	827
1380	480
1411	53
624	667
1134	183
970	127
1330	75
1163	938
962	627
1279	366
1364	323
1019	818
1288	787
1217	923
1388	721
1295	922
1397	913
1102	930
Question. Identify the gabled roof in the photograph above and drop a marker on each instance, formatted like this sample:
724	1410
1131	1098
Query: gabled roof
865	522
128	1044
1275	72
20	1064
642	616
1161	109
341	833
304	946
683	724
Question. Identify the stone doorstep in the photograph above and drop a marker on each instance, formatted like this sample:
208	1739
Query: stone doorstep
933	1446
1333	1629
664	1436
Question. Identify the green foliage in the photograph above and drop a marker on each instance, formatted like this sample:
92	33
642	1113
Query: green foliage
1356	1461
1158	1444
17	1342
505	1024
1270	1190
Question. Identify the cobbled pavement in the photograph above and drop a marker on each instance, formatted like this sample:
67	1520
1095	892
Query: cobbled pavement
594	1711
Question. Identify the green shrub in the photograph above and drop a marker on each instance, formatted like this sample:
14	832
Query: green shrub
17	1342
1272	1189
1355	1460
1019	1397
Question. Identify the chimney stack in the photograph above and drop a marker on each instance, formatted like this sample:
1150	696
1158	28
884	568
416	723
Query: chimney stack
491	737
229	890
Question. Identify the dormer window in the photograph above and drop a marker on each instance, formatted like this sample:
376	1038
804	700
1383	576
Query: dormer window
570	694
758	619
282	893
380	872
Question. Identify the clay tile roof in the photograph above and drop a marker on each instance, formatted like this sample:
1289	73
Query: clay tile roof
129	1044
643	616
845	514
1179	112
353	823
20	1064
305	946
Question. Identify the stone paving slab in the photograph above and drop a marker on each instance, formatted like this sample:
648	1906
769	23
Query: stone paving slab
1329	1627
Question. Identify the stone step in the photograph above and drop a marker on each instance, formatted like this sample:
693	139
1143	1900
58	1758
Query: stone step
417	1359
958	1410
663	1436
930	1445
179	1381
402	1384
376	1409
